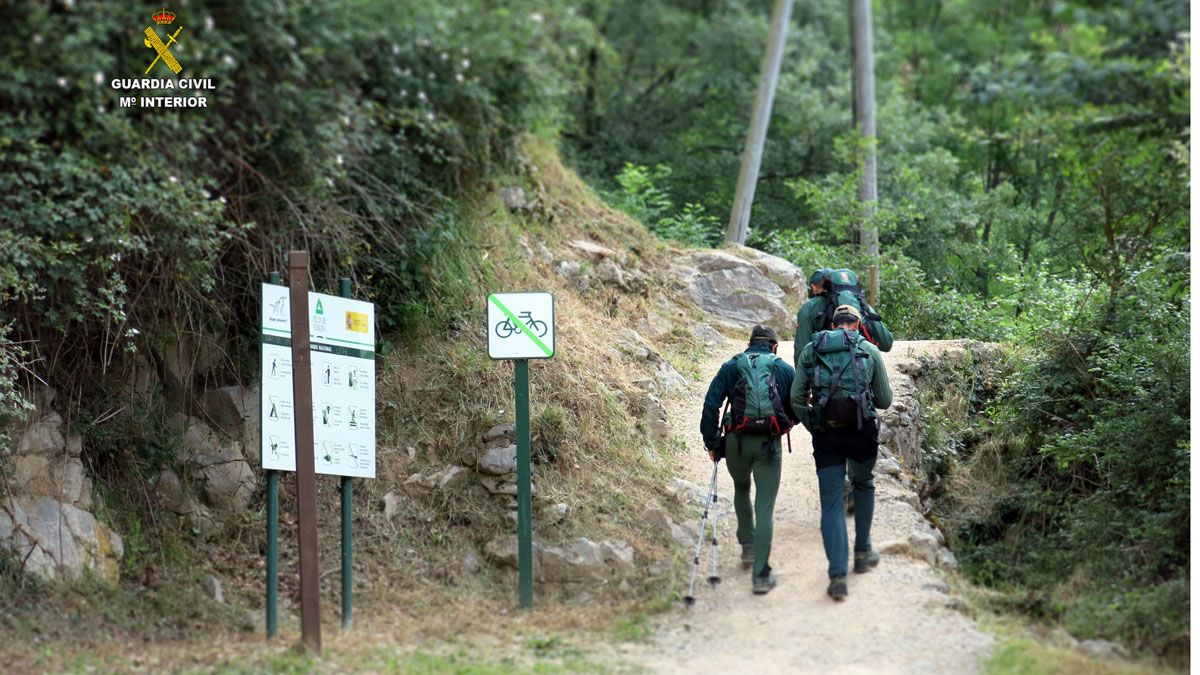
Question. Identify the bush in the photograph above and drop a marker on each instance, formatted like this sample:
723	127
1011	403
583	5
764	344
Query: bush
642	198
1099	470
349	130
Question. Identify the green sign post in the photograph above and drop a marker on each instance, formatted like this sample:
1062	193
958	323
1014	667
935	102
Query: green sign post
524	489
272	535
521	327
347	519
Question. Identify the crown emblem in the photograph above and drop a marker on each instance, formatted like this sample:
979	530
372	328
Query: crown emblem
163	16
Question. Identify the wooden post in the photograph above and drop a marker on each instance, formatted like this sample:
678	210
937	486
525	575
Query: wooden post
756	136
306	492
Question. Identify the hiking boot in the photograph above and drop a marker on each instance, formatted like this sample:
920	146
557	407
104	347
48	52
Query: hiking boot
747	554
837	588
864	561
763	585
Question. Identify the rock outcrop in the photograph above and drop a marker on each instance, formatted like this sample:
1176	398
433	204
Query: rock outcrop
45	517
213	476
741	292
900	428
582	560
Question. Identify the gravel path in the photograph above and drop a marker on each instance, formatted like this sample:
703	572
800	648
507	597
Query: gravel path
898	618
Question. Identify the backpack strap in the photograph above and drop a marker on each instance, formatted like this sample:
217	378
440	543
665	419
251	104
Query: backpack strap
835	381
858	402
865	395
827	313
817	360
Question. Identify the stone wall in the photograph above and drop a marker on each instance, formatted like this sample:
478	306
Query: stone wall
901	430
46	509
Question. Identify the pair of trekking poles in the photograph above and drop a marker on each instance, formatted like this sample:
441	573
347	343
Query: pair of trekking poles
710	504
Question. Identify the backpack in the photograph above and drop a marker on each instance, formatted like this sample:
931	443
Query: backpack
839	380
756	405
843	288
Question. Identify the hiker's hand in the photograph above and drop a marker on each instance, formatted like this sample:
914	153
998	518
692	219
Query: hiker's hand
713	455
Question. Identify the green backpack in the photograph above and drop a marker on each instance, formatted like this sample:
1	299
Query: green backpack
756	403
843	288
839	379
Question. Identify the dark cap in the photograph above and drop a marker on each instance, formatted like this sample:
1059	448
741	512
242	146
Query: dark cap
761	332
818	276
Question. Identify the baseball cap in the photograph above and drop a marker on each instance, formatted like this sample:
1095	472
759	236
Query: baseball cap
761	332
818	276
843	310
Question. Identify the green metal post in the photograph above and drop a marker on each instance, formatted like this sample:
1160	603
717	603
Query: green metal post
347	532
272	553
272	536
524	490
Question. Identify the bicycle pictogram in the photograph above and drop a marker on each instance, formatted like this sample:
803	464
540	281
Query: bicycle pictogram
507	328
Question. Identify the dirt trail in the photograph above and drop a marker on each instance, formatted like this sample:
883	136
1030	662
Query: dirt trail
896	620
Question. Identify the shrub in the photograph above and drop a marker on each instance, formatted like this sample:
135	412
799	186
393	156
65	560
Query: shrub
641	196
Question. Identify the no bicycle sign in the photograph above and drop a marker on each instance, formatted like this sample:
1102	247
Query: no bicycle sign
521	325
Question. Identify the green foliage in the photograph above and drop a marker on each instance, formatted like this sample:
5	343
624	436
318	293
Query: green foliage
642	197
639	196
13	404
1025	656
1100	466
635	628
351	130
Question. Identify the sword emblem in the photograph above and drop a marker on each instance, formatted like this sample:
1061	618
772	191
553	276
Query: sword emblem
154	42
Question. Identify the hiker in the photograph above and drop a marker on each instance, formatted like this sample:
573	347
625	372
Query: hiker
839	383
756	384
829	288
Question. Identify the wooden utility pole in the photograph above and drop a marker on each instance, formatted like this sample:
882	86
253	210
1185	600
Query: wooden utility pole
306	491
739	218
864	119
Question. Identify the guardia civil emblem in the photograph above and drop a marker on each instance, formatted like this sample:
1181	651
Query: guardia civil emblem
153	41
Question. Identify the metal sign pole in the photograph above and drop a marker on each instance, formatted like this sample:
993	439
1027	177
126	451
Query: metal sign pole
520	327
347	532
524	489
306	504
272	533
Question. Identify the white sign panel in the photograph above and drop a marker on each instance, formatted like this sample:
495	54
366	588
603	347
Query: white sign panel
520	325
342	335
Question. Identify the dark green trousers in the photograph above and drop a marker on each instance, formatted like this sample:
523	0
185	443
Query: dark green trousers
757	457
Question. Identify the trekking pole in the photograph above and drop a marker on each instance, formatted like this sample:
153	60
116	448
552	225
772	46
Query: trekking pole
714	578
690	598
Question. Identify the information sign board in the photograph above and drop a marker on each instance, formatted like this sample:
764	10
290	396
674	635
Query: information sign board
342	334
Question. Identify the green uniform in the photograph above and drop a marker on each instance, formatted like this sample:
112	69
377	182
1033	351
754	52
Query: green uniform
808	324
759	457
755	456
881	389
808	321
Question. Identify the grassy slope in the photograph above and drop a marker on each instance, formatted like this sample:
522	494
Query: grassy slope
437	392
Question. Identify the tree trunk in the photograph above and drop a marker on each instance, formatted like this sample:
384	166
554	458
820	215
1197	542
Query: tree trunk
756	135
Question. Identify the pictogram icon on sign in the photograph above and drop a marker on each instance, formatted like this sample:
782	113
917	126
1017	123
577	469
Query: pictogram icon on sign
520	325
